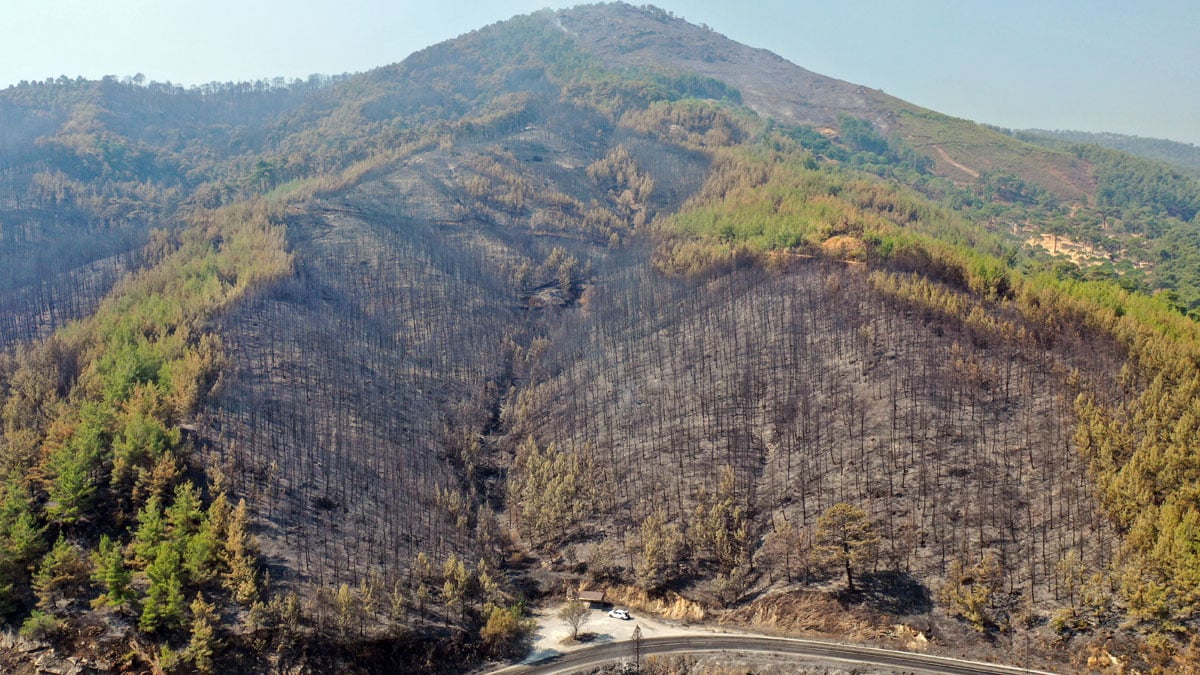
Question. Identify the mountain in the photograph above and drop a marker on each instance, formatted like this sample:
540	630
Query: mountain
344	374
626	36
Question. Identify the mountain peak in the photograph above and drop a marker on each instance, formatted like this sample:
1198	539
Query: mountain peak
623	35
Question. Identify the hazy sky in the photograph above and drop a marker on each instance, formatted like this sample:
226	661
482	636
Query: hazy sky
1094	65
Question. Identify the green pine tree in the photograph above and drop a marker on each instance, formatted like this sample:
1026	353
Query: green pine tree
61	573
186	513
110	572
164	602
152	529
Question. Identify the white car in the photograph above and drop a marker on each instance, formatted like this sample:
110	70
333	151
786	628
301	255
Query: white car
620	614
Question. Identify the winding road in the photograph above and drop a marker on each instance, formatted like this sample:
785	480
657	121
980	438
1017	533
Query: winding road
811	649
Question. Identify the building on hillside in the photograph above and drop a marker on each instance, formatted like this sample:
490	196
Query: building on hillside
593	598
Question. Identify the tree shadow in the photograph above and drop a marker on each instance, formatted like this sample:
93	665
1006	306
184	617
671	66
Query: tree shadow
588	637
895	593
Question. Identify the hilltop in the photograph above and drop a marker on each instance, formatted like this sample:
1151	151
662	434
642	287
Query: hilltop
343	374
625	36
1185	156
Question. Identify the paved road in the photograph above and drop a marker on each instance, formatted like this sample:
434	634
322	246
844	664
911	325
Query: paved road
900	661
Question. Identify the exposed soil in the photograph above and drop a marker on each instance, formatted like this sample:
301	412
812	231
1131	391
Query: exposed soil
1057	244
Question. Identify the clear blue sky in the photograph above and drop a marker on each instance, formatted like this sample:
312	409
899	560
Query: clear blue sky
1094	65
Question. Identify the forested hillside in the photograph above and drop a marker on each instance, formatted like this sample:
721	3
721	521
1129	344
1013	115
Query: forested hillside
89	170
346	374
1186	156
